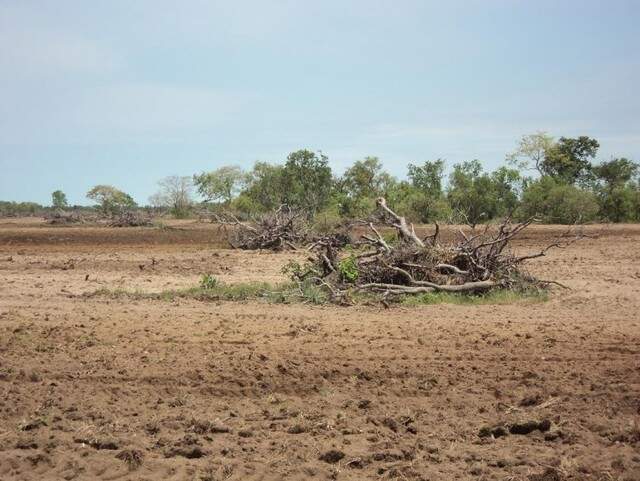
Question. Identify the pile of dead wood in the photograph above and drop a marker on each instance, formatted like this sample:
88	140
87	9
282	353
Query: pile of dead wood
131	219
283	229
61	217
472	263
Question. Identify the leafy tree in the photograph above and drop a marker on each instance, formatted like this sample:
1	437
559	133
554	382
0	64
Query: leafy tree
110	200
471	192
615	191
220	185
616	172
264	189
59	200
423	198
531	151
363	179
428	177
307	181
554	201
569	159
506	187
176	194
9	208
360	185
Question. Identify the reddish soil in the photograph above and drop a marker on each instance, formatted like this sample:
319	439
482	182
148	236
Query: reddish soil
95	388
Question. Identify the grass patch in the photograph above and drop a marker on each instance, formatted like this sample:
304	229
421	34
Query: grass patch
497	296
280	293
308	293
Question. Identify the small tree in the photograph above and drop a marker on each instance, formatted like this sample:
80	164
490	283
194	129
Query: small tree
423	198
428	177
59	200
471	192
264	189
615	189
531	151
175	194
220	185
110	201
360	185
307	181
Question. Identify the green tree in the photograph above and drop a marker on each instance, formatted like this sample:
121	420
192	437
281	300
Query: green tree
554	201
569	159
360	185
471	193
264	189
307	181
363	179
531	151
110	201
423	198
59	200
220	185
506	188
428	177
616	193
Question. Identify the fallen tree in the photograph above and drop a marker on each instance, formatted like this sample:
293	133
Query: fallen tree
131	219
473	263
282	229
61	217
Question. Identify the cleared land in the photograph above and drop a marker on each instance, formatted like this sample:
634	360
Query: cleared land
99	388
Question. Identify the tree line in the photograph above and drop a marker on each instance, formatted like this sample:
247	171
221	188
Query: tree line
559	181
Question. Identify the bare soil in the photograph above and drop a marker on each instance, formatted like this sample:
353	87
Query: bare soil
97	388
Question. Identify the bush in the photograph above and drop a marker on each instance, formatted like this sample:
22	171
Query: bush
208	282
348	269
555	202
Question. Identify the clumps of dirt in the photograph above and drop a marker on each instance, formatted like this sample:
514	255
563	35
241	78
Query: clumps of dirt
188	447
496	431
529	401
32	425
332	456
297	429
404	423
527	427
132	457
26	444
99	443
200	426
518	428
392	455
549	474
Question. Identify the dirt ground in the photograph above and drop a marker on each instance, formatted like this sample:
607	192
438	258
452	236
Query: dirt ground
93	388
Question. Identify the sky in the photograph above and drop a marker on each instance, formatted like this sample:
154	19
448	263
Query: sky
127	92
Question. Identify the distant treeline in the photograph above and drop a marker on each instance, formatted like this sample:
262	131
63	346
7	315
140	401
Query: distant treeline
559	181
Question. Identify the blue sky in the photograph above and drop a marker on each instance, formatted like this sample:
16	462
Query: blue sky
127	92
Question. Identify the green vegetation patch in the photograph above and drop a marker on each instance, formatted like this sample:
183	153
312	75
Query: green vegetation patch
309	293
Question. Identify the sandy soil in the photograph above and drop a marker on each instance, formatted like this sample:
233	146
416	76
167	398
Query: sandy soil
96	388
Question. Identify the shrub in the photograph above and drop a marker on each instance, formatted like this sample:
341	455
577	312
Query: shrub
208	282
555	202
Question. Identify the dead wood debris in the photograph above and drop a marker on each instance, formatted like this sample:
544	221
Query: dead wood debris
471	264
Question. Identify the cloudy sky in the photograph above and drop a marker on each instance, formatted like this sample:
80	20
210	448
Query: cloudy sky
126	92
